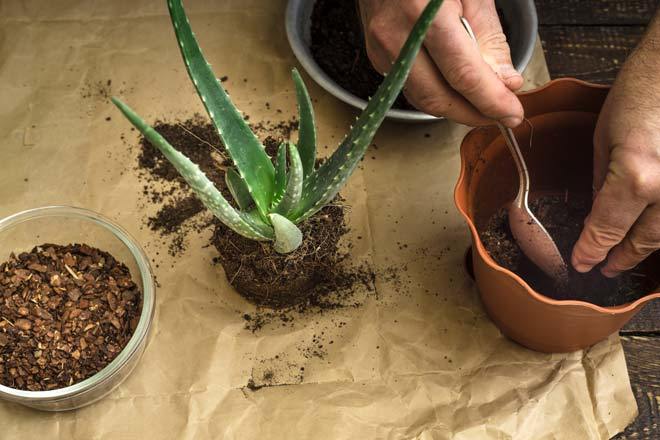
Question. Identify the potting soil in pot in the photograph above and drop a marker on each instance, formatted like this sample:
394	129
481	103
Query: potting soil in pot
338	47
65	313
563	217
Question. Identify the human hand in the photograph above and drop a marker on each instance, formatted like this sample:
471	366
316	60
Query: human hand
453	77
625	217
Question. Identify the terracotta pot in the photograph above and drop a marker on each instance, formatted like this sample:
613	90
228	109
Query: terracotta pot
563	114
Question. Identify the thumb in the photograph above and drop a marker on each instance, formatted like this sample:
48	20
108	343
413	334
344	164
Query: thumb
497	54
492	41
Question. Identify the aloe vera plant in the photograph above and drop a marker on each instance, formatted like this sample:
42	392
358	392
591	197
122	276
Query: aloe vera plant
271	196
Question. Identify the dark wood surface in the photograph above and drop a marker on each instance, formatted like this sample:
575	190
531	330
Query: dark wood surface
590	40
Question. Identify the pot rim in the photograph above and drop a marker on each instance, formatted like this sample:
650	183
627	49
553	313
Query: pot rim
146	315
614	310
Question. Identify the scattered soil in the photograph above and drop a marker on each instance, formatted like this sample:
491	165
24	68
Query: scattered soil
563	217
172	215
197	138
275	371
180	213
65	313
337	45
103	90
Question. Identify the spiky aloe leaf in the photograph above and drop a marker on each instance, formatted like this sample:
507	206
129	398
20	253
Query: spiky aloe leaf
307	130
238	189
280	174
287	235
203	187
294	186
324	184
245	149
254	219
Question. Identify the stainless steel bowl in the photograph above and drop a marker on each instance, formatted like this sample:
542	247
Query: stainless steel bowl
64	225
519	14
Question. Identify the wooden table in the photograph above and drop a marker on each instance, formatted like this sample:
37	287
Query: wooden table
590	39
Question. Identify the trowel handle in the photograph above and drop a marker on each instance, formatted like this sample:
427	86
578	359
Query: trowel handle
523	174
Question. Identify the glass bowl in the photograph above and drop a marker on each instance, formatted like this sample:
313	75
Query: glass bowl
63	225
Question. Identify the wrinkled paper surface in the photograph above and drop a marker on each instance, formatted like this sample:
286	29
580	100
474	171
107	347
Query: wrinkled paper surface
418	360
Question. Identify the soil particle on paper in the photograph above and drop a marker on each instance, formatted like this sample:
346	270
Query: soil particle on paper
173	214
97	89
103	90
275	371
65	313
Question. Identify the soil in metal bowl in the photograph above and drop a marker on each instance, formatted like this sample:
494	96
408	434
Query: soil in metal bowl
338	47
65	313
563	217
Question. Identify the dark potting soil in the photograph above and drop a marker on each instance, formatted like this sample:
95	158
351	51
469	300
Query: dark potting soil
563	217
196	138
304	277
179	210
337	45
66	312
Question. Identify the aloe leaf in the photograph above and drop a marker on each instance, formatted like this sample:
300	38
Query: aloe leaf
203	187
287	235
324	184
280	174
253	218
294	186
238	189
307	130
245	149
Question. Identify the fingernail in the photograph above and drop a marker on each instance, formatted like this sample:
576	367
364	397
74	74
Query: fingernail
508	72
511	121
582	268
609	273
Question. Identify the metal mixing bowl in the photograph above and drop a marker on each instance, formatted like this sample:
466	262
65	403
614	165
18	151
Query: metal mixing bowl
520	15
